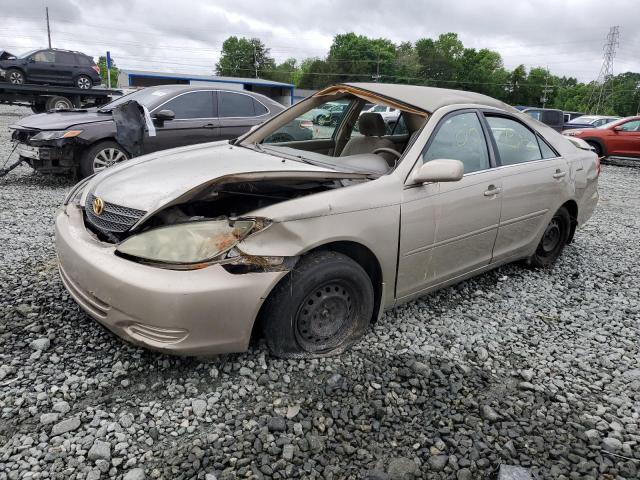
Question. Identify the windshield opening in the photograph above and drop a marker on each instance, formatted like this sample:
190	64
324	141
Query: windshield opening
343	131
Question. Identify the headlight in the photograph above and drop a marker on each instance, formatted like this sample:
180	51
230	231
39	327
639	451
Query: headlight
194	242
56	134
73	196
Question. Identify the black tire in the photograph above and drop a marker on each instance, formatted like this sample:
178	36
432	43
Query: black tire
39	107
596	146
58	103
15	76
102	151
83	82
321	307
553	240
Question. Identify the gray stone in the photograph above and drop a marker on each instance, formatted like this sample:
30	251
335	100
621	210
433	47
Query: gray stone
513	472
438	462
68	425
134	474
47	418
100	451
402	468
277	424
199	407
489	413
61	407
464	474
287	451
611	444
41	344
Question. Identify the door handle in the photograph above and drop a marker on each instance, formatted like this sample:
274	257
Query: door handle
559	174
492	190
209	125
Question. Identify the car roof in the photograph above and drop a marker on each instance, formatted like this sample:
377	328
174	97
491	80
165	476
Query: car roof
430	99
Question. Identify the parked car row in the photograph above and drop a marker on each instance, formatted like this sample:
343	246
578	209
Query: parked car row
192	250
561	121
619	138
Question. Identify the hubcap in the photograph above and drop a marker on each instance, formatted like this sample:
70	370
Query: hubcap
83	83
107	157
551	236
61	104
324	316
16	78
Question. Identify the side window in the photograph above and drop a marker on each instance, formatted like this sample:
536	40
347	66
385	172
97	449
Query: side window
66	58
259	108
515	142
631	126
235	105
191	105
46	56
547	151
84	60
534	114
460	137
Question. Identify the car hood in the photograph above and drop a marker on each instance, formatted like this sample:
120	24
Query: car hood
154	181
62	120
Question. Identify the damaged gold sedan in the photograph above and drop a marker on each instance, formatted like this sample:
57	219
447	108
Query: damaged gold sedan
192	250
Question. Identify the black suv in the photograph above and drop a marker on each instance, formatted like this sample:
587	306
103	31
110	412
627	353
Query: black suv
51	66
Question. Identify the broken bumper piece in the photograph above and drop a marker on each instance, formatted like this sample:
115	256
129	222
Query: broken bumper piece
195	312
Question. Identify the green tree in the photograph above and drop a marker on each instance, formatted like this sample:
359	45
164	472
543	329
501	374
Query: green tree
286	72
359	58
102	64
242	57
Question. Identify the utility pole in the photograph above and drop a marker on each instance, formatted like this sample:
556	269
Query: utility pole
48	29
603	88
376	77
546	89
255	59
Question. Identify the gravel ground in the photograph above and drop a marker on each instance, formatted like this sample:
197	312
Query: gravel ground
533	368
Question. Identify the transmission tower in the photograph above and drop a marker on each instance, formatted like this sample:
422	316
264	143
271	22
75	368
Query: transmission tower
603	87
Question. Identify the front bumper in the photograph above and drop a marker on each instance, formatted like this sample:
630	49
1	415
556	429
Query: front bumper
197	312
47	159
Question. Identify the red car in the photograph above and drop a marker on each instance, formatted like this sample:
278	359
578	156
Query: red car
618	139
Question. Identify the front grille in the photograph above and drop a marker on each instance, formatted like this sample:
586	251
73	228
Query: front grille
114	218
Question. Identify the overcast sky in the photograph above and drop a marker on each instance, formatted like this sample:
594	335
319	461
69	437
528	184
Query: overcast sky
186	35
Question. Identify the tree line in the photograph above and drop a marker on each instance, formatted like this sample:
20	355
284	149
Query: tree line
442	62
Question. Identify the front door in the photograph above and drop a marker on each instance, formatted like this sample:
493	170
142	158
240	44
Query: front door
238	112
535	179
41	66
63	68
625	142
449	229
195	121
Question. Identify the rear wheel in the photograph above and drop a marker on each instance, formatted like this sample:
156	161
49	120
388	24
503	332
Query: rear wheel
15	76
59	103
39	107
553	240
321	307
100	156
83	82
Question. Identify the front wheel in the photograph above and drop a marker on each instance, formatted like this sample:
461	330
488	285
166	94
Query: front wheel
83	82
15	76
553	240
321	307
100	156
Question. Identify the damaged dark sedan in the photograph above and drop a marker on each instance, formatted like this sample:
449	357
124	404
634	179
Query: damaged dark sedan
84	142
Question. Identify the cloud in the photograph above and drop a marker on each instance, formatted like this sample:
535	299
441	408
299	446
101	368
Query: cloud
186	35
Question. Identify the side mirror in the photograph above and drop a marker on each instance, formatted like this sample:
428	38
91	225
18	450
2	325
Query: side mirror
618	128
31	60
440	170
164	115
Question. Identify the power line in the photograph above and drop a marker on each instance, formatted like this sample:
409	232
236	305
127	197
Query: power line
606	72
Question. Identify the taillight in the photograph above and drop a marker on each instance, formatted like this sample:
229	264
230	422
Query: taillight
306	124
96	68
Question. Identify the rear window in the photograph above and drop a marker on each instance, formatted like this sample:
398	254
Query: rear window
236	105
259	108
84	60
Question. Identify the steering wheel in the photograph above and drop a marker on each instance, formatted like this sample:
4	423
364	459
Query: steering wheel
393	152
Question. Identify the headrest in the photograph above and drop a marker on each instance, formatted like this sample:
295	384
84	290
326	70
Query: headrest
371	124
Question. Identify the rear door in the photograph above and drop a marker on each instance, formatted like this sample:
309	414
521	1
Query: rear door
64	66
238	112
448	229
195	121
534	178
625	142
